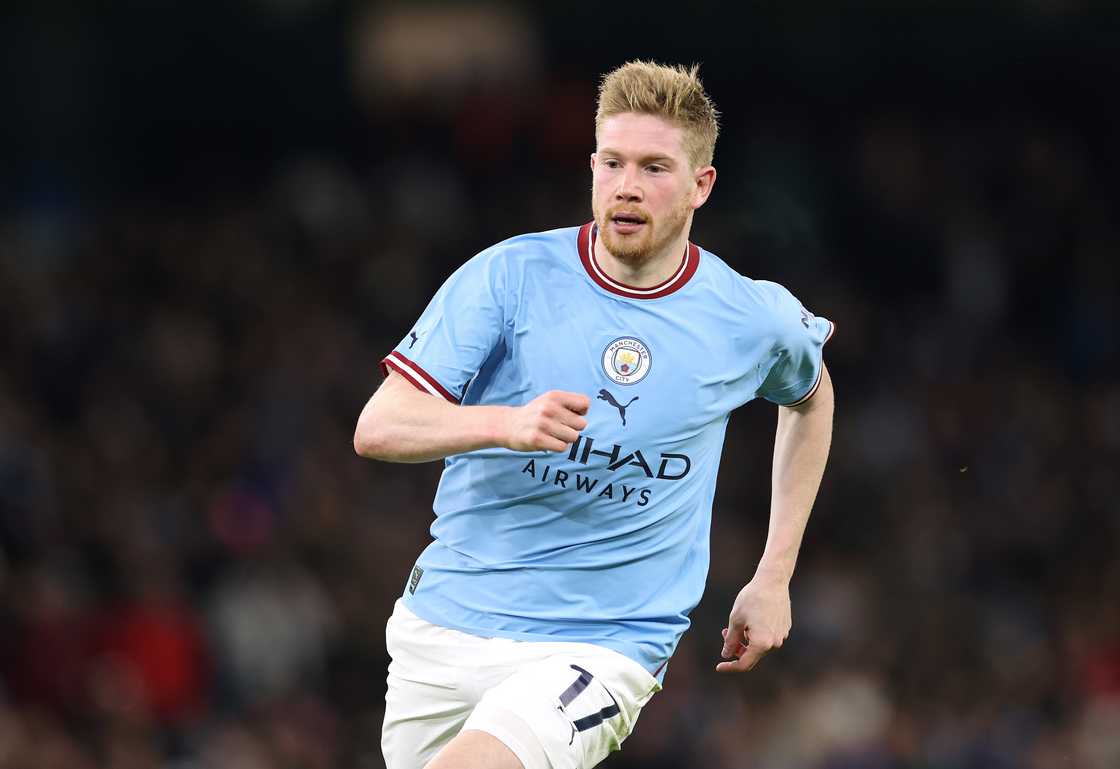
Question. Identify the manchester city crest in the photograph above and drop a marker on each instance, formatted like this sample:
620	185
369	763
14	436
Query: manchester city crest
626	360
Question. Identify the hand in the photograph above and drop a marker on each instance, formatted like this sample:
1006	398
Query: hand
548	422
760	621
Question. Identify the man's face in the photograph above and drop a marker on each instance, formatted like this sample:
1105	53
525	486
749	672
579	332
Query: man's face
643	188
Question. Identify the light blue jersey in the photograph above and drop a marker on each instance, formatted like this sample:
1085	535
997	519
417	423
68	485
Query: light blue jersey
606	543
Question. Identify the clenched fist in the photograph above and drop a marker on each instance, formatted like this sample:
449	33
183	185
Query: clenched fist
549	422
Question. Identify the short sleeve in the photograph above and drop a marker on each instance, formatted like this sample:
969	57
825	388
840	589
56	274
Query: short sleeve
457	331
792	372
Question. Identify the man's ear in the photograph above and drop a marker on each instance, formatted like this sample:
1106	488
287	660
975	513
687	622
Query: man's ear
705	180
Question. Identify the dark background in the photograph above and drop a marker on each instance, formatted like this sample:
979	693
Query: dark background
215	219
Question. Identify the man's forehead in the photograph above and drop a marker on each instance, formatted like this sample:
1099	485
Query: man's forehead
635	132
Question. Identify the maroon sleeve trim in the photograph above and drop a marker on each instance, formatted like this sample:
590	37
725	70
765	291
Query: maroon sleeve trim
419	378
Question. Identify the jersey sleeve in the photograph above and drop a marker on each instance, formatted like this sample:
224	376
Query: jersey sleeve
457	331
792	372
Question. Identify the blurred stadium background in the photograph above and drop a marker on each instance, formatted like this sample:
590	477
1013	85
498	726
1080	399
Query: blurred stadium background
215	218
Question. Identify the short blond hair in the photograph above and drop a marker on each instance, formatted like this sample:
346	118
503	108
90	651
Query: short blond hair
671	92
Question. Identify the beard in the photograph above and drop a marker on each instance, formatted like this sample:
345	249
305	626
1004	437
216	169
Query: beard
637	249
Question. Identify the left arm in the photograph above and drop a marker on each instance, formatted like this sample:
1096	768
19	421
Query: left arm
760	618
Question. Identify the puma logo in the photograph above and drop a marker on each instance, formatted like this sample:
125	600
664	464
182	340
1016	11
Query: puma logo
606	396
415	339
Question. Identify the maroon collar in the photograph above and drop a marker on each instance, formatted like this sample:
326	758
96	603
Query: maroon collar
687	268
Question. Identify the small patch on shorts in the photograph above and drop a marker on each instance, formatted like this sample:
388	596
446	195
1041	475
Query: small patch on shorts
417	573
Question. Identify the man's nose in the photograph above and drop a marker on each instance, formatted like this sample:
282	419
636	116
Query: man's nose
628	187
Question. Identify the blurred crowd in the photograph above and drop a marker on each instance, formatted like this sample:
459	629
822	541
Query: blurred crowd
196	569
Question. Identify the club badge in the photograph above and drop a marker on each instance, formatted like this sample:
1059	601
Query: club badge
626	360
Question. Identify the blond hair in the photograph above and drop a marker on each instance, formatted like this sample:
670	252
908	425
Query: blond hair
671	92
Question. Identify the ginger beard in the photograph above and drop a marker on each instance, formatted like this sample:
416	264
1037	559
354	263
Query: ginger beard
638	248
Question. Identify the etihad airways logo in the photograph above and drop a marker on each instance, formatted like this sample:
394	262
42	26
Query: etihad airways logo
670	467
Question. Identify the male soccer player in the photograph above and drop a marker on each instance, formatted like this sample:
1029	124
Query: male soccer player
578	383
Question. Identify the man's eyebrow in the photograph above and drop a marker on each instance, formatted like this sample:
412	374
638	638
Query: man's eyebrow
657	157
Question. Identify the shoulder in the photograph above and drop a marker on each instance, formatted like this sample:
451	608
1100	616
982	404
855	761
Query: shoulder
764	306
532	244
787	317
507	266
517	257
751	294
779	298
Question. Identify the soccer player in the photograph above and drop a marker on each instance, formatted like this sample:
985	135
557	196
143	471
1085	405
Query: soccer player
578	384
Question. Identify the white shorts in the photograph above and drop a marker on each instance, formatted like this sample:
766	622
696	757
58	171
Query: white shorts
555	705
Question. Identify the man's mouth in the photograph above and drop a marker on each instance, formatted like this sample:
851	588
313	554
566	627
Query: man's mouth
624	218
627	222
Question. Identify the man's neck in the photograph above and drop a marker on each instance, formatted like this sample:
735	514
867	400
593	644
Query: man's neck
652	272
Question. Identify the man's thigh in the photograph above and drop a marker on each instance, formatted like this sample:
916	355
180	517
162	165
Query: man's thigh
562	705
426	702
565	710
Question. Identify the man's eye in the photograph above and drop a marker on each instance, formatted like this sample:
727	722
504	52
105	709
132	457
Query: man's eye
611	163
655	169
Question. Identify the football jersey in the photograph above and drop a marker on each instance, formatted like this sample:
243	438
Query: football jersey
606	542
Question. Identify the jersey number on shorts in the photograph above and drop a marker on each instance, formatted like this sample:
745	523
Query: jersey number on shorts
577	687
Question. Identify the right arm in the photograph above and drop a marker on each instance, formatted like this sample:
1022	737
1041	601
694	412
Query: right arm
403	424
